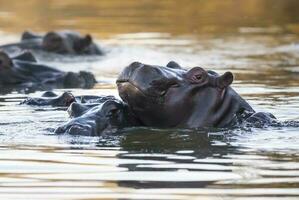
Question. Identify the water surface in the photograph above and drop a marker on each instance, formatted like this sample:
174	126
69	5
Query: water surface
260	47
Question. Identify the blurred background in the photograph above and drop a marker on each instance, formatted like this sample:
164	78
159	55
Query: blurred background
106	17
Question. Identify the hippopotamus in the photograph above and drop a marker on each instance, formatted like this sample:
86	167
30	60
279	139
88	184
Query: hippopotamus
50	98
173	97
60	42
97	118
90	115
23	71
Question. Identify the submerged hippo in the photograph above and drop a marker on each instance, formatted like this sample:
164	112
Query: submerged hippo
91	115
61	42
23	71
171	96
97	119
50	98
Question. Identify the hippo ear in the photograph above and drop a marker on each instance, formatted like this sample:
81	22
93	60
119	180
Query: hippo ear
5	61
25	56
225	80
27	35
82	43
196	75
87	40
173	65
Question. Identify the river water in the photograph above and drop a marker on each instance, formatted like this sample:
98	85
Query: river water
257	40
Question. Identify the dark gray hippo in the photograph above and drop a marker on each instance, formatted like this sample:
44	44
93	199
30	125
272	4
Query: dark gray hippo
97	118
91	115
50	98
22	71
61	42
171	96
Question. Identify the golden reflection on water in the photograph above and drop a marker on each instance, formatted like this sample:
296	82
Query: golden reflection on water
36	164
106	17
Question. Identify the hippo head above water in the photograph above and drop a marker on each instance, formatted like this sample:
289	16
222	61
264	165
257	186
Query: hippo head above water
175	97
96	119
61	42
69	42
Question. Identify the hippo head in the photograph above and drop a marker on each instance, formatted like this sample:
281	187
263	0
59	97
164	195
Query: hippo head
95	120
9	73
174	97
68	42
51	99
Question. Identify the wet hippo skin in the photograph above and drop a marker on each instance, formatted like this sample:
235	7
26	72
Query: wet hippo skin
171	96
90	115
61	42
65	99
23	71
97	119
51	99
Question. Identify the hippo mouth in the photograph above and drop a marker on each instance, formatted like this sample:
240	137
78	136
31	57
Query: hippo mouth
126	89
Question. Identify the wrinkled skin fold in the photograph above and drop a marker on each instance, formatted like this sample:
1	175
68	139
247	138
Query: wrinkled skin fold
60	42
23	71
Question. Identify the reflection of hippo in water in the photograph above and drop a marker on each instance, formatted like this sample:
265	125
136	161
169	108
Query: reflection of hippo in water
62	42
174	97
23	71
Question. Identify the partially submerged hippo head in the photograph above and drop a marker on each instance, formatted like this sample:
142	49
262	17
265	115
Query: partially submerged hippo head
61	42
9	73
69	42
23	70
174	97
51	99
96	119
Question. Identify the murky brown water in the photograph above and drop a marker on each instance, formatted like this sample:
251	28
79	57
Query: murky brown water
256	39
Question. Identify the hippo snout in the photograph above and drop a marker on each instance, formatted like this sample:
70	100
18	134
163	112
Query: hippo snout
75	129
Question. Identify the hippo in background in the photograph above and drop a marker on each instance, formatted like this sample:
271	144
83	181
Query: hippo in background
22	71
60	42
173	97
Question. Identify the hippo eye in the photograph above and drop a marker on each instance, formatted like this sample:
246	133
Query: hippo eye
197	75
113	112
53	42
